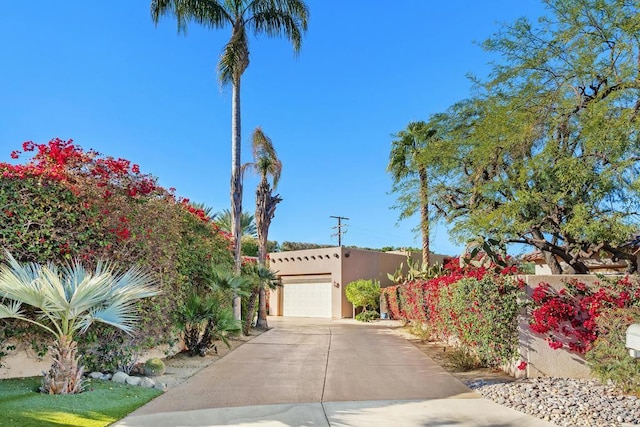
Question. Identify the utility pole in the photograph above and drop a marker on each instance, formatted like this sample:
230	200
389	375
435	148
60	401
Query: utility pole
339	231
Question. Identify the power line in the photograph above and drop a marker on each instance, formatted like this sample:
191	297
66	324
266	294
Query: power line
339	228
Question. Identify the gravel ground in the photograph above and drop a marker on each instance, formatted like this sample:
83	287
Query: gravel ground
564	402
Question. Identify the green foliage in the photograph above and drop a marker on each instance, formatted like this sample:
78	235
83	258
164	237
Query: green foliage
298	246
546	153
42	222
482	315
202	320
107	349
102	404
250	246
363	293
258	277
154	367
608	358
65	203
463	360
367	316
410	175
247	223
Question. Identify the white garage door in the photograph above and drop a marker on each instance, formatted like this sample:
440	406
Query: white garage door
307	299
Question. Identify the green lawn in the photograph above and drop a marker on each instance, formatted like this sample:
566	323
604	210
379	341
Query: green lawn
102	403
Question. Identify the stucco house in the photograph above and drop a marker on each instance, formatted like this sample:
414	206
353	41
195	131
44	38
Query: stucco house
313	280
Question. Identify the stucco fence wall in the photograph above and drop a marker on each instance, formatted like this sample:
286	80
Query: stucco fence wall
541	359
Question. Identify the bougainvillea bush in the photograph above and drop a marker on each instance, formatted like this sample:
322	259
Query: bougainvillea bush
477	307
63	202
568	317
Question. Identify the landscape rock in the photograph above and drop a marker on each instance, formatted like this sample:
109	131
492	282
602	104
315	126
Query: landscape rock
106	377
147	382
96	375
133	380
120	377
160	386
564	401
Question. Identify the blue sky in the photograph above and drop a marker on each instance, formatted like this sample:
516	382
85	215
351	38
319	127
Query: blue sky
102	74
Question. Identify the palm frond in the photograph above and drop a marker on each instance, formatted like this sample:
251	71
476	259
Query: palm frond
210	13
71	298
266	160
13	310
235	56
22	283
275	18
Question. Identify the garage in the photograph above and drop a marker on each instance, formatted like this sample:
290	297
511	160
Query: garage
307	299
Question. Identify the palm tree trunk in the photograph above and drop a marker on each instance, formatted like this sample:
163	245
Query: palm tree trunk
65	376
236	186
262	309
265	211
250	312
424	215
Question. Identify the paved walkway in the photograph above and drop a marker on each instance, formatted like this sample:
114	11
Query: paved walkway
316	372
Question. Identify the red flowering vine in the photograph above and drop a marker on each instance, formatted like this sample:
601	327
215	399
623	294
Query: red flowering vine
568	316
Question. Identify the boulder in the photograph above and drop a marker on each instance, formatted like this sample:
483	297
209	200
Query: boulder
160	386
96	375
133	380
120	377
147	382
106	377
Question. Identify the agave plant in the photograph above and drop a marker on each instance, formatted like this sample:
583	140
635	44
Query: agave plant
67	301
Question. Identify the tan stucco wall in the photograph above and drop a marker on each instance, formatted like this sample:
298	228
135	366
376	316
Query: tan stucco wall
306	263
541	359
23	362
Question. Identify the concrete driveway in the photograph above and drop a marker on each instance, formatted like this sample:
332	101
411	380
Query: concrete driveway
316	372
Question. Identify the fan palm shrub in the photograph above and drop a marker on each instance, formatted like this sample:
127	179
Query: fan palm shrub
261	279
66	301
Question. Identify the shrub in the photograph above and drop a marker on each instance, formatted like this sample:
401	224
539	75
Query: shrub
64	203
463	360
608	358
367	316
475	306
482	315
107	349
364	293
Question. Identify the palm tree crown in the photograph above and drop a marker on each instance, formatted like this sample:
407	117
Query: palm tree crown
247	222
266	162
404	165
278	18
273	18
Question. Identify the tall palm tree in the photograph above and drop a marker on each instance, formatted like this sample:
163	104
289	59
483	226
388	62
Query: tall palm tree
68	300
404	165
247	222
265	163
272	18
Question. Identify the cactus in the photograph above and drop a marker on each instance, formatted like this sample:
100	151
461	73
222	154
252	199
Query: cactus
154	367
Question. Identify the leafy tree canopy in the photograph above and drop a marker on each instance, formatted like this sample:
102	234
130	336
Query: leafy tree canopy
546	153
